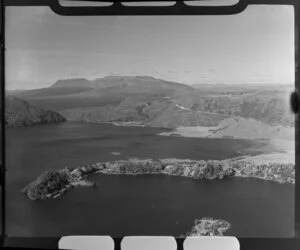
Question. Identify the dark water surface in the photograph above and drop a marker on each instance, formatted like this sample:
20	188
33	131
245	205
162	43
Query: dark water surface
137	205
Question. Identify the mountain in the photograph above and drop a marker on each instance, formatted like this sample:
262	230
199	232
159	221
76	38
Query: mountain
156	102
19	113
147	82
110	90
71	83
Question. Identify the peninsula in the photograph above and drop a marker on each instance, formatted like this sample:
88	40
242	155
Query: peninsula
55	183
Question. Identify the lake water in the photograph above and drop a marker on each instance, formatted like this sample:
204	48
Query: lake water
137	205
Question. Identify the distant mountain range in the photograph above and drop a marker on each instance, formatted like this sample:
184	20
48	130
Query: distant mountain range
155	102
20	113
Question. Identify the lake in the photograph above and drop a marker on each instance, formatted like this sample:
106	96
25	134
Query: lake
138	205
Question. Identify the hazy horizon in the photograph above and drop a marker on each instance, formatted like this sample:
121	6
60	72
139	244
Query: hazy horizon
255	46
194	84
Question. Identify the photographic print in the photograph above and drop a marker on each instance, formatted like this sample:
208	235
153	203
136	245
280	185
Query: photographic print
150	125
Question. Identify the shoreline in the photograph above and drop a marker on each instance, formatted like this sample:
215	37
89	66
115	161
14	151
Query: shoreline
122	124
192	132
237	175
210	132
54	183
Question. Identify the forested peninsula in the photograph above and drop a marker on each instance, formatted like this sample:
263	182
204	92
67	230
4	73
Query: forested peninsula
54	183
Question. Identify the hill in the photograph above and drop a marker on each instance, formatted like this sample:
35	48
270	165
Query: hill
19	113
148	111
267	105
239	127
191	109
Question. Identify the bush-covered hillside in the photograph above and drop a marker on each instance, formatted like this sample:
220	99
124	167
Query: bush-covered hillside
19	113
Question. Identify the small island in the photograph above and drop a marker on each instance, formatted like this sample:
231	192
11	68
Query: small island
54	183
209	227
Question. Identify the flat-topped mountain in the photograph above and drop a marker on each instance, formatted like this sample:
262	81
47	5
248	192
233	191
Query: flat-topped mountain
110	90
138	81
112	81
75	82
117	81
19	113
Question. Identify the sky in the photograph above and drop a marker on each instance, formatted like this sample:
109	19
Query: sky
255	46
